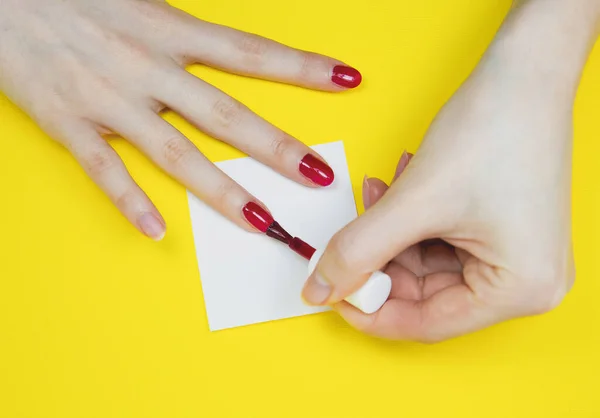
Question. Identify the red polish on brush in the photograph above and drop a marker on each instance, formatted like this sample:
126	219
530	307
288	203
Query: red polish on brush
369	298
262	220
298	246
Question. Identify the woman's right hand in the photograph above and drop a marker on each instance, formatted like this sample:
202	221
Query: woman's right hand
85	68
477	229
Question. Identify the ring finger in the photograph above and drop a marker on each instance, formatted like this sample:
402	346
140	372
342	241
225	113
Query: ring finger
226	119
175	154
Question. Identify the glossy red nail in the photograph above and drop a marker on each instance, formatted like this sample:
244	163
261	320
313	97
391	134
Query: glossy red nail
257	216
346	76
316	170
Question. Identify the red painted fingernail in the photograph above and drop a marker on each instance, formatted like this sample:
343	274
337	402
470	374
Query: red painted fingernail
316	170
346	76
257	216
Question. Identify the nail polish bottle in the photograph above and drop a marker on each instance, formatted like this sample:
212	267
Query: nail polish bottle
371	296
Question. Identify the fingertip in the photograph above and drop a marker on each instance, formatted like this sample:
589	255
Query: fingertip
257	216
316	290
356	318
316	170
345	76
152	225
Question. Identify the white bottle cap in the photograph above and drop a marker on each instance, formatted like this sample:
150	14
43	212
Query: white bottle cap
371	296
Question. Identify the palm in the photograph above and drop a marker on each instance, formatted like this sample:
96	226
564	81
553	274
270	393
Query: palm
428	281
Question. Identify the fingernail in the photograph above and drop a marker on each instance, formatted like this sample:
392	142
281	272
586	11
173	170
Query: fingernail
404	157
410	155
366	193
257	216
402	163
316	291
346	76
316	170
152	226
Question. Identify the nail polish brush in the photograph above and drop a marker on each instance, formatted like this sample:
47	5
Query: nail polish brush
369	298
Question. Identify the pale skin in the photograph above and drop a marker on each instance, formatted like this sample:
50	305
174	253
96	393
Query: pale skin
475	230
111	66
492	179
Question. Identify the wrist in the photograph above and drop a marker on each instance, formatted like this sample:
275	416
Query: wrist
546	43
586	9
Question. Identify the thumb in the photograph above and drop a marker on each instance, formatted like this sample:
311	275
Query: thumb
366	245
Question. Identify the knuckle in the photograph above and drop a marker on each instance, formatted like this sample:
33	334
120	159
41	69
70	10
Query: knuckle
138	52
280	144
176	150
339	251
97	162
548	296
224	194
308	63
305	65
550	284
345	256
227	111
253	46
125	200
150	10
101	86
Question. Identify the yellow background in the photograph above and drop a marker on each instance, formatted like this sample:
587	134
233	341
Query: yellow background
98	321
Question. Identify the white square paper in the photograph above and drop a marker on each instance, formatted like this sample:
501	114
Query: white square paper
250	278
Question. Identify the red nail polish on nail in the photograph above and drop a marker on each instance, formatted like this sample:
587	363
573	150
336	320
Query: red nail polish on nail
316	170
346	76
257	216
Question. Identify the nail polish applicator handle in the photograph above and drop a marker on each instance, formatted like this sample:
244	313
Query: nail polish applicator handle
371	296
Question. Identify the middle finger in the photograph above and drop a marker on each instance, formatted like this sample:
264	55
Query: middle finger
226	119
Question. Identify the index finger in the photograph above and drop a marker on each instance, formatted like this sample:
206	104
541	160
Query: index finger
252	55
178	157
